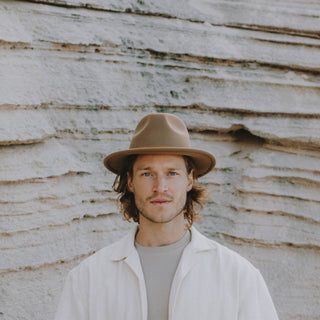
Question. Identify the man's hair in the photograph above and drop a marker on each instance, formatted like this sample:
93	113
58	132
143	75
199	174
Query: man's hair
194	202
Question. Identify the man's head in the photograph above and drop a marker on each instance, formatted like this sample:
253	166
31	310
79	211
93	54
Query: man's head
159	188
156	175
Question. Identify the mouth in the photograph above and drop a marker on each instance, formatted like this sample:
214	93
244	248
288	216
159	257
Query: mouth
160	202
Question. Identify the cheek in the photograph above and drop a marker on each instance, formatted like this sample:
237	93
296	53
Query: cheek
141	187
183	188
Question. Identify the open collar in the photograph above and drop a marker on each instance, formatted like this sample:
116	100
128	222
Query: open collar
199	242
125	247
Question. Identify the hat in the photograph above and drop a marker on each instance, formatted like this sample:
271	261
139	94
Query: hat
161	133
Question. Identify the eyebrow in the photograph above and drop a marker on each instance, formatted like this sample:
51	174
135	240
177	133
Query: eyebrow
143	168
150	168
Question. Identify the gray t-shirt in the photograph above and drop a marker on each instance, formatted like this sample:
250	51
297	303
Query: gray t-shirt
159	265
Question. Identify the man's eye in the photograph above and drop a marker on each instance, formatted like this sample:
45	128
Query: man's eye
172	173
146	174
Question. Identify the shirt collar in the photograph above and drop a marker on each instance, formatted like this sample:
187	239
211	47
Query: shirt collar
201	243
125	247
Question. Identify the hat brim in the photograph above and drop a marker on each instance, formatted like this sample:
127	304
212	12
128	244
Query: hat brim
203	160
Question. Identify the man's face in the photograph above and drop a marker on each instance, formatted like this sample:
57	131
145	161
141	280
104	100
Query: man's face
160	184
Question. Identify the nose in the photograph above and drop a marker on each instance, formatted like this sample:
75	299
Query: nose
160	184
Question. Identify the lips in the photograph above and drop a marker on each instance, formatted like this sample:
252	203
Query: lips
160	201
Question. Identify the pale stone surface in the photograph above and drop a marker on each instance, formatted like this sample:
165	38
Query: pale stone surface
69	74
74	82
37	161
293	16
22	126
39	125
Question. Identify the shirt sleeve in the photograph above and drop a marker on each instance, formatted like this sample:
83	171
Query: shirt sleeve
73	303
255	300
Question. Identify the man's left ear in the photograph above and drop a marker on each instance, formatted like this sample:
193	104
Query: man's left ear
190	181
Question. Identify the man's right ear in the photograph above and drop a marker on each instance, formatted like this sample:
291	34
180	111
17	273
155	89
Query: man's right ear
129	182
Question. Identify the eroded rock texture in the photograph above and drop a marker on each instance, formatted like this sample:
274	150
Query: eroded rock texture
76	77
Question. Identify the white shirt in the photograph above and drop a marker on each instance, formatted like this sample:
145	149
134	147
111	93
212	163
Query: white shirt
211	282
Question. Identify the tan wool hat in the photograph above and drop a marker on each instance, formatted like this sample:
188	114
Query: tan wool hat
161	133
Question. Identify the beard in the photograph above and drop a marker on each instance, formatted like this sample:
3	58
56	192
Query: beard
161	215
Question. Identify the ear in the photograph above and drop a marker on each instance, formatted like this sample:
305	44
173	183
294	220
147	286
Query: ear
190	181
130	183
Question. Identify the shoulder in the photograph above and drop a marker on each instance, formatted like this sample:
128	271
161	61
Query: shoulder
104	258
234	258
233	269
241	280
230	260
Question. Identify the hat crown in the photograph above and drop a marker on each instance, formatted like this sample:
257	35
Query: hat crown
160	130
161	133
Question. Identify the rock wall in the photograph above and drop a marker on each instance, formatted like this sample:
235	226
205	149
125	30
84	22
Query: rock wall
76	77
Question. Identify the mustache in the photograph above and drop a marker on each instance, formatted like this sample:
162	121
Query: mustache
160	196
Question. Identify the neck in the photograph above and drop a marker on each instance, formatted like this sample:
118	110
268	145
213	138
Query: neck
159	234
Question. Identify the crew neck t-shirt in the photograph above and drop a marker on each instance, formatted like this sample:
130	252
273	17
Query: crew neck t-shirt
159	265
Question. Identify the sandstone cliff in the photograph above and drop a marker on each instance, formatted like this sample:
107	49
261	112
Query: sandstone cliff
76	77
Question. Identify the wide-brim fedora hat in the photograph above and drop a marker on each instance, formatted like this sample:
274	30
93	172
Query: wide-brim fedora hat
161	133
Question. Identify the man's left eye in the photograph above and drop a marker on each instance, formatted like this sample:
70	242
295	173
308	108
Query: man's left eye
172	173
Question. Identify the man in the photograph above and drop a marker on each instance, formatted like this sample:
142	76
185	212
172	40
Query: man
164	268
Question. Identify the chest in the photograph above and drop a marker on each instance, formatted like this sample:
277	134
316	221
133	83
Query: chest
192	296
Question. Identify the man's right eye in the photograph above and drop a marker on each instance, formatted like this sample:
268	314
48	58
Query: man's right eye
146	174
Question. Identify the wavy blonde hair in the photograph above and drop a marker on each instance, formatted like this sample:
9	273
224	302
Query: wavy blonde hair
195	197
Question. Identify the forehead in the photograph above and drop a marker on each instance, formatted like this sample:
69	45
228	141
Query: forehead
159	161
